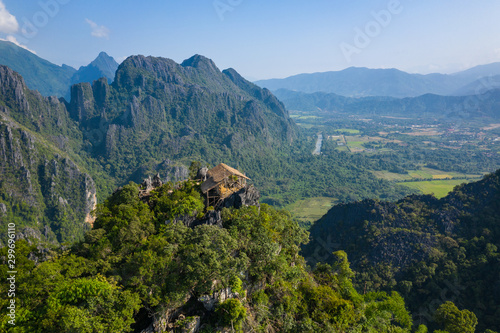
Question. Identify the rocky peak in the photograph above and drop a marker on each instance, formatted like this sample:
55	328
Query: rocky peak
13	86
201	63
82	105
103	60
103	66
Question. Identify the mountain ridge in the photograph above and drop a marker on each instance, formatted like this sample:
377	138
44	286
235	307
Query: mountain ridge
102	66
42	190
363	82
50	79
39	74
156	116
484	104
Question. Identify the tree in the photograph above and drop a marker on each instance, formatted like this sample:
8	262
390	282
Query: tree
90	305
193	169
232	313
455	321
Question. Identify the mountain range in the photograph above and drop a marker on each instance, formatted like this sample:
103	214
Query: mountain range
50	79
363	82
483	105
142	265
58	157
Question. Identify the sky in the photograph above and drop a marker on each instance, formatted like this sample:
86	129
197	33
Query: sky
263	39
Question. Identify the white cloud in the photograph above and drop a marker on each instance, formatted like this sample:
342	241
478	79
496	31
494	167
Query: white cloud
13	39
98	31
8	22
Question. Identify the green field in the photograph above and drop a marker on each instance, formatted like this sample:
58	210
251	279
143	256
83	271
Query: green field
311	209
299	117
347	130
440	188
424	173
309	126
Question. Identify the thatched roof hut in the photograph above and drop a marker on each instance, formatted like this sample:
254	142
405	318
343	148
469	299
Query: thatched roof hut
217	175
221	182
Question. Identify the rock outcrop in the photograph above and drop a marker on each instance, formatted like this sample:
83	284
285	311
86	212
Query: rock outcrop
247	196
39	181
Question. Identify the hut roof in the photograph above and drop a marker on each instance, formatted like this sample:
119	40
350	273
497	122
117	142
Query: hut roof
218	174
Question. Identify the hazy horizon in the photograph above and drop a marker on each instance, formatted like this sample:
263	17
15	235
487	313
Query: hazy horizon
263	40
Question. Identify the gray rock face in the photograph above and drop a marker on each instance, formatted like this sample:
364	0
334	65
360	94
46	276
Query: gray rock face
29	235
210	301
3	209
247	196
202	174
12	84
192	326
173	172
82	105
147	184
157	181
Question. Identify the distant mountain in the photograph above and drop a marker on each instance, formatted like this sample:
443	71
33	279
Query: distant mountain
50	79
478	72
479	86
362	82
487	104
102	66
39	74
430	250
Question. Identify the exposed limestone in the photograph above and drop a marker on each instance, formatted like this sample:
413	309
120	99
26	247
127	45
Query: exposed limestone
91	192
29	235
202	174
147	184
247	196
211	301
188	325
157	181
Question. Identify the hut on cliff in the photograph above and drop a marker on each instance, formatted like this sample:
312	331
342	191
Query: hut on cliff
221	182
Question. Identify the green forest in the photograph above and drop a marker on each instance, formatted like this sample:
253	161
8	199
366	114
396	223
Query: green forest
95	254
429	250
139	262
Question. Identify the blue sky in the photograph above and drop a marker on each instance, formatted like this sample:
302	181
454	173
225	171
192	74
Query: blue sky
263	39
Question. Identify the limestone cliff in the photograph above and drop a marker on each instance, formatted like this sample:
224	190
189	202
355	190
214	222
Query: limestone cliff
42	190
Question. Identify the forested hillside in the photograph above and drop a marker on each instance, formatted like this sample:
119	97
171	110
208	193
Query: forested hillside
429	250
142	269
42	75
157	117
157	109
480	104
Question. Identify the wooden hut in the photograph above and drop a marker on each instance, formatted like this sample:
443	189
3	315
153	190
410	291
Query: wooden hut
221	182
